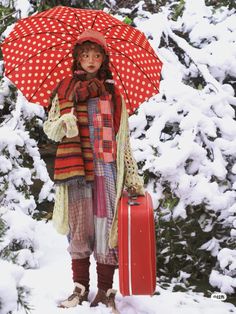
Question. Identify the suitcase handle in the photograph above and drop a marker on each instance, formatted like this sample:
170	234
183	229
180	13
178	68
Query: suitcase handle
130	202
132	198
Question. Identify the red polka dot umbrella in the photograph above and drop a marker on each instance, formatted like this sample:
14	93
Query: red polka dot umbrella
38	53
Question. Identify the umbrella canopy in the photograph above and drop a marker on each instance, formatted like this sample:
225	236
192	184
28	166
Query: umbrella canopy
38	53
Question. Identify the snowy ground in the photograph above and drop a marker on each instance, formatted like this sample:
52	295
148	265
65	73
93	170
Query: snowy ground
52	281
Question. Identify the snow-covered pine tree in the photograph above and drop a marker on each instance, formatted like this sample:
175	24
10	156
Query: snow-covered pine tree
184	141
21	170
20	161
11	273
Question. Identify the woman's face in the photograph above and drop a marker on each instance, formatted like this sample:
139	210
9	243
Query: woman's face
91	60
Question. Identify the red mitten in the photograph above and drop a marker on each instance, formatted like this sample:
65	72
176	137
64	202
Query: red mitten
81	91
96	88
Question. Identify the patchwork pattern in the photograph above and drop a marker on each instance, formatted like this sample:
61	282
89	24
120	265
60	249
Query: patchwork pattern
91	207
104	136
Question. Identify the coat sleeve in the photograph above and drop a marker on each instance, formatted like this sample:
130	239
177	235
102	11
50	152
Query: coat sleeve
53	126
132	178
60	211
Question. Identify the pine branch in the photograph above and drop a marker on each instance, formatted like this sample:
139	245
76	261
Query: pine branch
195	55
23	294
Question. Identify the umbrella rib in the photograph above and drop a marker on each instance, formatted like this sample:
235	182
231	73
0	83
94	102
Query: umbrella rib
41	84
137	67
105	30
94	20
117	73
38	53
41	33
62	23
77	18
132	42
116	25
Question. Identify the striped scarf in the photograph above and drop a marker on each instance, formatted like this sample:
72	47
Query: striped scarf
74	157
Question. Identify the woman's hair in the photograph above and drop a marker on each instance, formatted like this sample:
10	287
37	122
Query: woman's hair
104	72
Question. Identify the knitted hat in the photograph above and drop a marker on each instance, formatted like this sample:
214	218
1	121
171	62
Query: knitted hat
93	36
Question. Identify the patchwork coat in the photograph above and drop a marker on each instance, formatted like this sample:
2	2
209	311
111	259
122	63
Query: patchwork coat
127	171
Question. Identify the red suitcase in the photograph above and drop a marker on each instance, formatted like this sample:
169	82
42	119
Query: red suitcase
137	245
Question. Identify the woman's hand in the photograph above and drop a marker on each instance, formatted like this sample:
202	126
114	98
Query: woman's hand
88	89
69	124
96	88
132	190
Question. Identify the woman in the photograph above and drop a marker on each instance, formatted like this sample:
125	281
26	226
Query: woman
93	163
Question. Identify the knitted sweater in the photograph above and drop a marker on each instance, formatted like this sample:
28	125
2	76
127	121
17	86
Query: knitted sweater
127	170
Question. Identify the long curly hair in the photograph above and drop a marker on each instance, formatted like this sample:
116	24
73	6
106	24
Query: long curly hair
104	73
